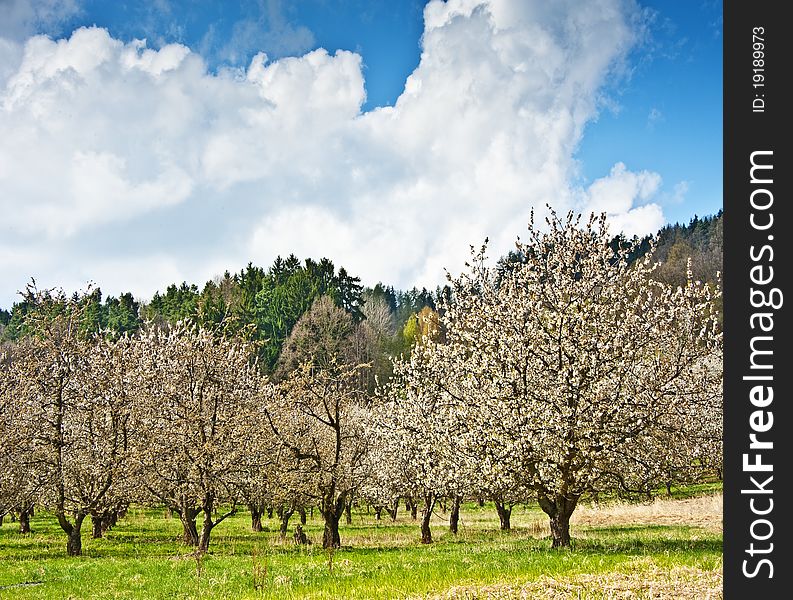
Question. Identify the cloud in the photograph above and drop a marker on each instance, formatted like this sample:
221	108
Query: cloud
22	18
117	154
679	192
653	117
625	197
267	30
80	121
617	192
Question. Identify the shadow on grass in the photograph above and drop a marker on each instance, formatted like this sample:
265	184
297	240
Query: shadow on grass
651	546
641	529
156	548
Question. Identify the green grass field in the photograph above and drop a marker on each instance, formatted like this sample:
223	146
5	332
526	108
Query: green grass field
668	549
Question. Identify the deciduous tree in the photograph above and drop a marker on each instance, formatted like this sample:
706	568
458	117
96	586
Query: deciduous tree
571	370
71	396
317	415
197	418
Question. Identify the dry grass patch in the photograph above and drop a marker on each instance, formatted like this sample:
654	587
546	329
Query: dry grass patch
704	511
639	580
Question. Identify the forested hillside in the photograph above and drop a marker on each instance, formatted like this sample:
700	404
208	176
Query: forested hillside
702	240
262	305
266	304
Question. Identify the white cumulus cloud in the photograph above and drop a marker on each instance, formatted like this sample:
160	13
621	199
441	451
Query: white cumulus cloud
116	154
625	197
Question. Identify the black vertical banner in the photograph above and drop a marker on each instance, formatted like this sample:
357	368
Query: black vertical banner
758	359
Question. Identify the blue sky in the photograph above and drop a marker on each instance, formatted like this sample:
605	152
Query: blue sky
669	114
228	136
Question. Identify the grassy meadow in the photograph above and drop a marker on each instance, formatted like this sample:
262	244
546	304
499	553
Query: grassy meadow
670	548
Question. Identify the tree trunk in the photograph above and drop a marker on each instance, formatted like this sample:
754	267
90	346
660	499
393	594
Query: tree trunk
25	512
559	512
426	515
348	512
120	513
504	511
189	532
302	512
412	506
286	514
110	520
331	537
393	510
377	512
96	526
102	521
454	517
74	541
206	532
256	516
560	530
208	508
300	536
187	515
331	513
